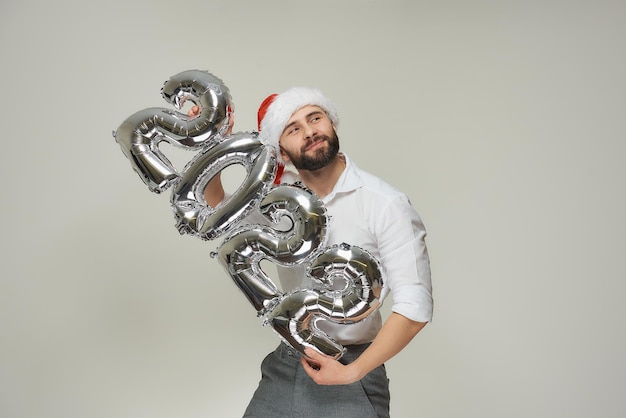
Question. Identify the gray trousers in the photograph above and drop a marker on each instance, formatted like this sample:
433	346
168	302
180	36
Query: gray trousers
286	391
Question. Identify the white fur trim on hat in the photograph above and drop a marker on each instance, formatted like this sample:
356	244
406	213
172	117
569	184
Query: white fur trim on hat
285	105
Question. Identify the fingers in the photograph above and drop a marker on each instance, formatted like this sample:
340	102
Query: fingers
312	361
309	366
314	354
194	111
310	353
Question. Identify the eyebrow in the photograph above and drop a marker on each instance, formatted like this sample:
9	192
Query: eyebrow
306	117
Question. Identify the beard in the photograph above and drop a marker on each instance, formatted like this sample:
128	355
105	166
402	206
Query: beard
320	158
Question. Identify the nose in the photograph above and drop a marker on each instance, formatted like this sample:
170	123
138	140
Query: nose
309	131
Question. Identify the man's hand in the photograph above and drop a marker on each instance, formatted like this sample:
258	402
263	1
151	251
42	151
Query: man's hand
396	333
325	370
194	111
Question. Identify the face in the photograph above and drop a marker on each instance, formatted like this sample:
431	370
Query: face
309	140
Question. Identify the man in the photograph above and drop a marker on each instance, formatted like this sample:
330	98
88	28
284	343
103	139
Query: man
301	125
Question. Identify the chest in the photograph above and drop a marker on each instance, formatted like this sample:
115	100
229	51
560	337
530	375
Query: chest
351	222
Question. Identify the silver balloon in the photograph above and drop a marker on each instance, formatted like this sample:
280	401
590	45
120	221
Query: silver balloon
140	134
243	250
347	284
347	281
193	215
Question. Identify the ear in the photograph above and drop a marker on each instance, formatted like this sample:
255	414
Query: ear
284	155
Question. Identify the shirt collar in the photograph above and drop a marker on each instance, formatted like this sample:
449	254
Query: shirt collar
349	180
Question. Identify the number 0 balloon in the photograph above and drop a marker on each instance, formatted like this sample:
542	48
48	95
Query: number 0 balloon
347	280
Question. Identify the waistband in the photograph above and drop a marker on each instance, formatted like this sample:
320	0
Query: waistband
353	351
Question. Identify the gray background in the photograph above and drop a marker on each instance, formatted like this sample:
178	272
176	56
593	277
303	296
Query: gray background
502	120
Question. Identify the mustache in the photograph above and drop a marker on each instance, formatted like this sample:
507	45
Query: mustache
314	141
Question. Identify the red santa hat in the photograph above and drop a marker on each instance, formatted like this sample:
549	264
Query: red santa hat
260	115
276	110
263	108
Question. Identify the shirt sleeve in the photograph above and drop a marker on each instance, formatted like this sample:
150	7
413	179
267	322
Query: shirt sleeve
404	257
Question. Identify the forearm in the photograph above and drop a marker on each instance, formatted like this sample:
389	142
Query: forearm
214	191
396	333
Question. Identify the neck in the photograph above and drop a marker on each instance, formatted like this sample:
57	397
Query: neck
322	181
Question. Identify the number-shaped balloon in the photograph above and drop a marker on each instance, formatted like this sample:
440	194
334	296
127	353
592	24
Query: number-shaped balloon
346	289
140	134
347	280
194	216
242	251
